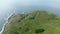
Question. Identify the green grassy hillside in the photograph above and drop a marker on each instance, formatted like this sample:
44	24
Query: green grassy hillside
38	22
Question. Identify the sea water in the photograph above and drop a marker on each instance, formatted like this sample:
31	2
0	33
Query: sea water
4	24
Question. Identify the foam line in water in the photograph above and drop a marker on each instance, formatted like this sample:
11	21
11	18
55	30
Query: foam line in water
3	28
5	24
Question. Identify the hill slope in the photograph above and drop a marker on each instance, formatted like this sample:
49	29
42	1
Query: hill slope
38	22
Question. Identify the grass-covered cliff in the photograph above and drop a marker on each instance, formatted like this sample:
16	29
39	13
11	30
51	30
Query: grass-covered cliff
38	22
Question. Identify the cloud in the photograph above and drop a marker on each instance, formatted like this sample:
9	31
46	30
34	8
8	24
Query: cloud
55	3
9	3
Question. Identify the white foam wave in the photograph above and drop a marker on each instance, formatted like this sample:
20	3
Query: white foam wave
5	24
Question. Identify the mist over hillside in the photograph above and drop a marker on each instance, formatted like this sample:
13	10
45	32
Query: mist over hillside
44	12
28	9
36	22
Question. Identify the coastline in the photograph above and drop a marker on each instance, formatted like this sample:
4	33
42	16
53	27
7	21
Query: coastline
5	24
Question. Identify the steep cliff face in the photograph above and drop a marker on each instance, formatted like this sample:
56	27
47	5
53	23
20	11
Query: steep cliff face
38	22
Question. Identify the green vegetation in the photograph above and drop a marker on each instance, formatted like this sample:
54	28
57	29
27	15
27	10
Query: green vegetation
37	22
39	30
